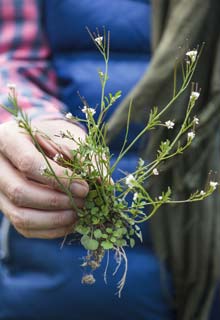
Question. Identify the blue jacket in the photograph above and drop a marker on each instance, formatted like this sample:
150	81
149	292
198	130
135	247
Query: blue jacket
38	280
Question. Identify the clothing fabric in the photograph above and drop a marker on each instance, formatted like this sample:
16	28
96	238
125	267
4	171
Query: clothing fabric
187	237
37	279
25	59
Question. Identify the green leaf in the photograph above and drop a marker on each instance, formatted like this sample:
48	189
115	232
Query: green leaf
98	201
81	229
120	232
94	210
107	245
118	223
123	230
121	243
113	239
88	243
117	234
95	220
12	110
84	241
109	230
97	233
118	93
104	210
92	194
89	204
139	235
132	242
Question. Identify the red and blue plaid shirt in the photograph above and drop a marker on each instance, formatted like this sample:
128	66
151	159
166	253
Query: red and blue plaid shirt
25	59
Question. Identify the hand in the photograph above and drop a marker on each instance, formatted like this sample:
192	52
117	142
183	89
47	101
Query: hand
32	202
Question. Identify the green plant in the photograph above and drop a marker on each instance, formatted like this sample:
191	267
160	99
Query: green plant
108	221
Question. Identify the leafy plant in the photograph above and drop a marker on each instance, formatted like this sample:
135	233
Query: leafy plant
108	221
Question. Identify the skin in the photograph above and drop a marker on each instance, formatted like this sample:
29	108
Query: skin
32	202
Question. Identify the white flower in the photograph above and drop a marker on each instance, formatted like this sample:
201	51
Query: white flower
194	95
57	157
155	172
160	198
195	120
202	193
88	111
11	86
130	180
69	116
191	135
213	184
42	169
192	55
99	40
169	124
135	196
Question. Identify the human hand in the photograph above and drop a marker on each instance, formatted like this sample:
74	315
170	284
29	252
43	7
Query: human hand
31	201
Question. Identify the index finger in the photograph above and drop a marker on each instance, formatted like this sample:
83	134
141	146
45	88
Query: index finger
21	152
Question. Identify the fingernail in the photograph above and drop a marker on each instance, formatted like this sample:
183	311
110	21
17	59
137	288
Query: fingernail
79	189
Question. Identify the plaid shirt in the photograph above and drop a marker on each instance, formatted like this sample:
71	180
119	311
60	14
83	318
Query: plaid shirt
25	59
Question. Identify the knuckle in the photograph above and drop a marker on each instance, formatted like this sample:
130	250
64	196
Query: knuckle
20	220
65	219
59	201
54	202
60	219
15	194
60	173
25	162
53	183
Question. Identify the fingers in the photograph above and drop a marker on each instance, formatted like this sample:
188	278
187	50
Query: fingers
28	194
64	146
54	132
29	161
29	220
34	208
51	148
46	234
